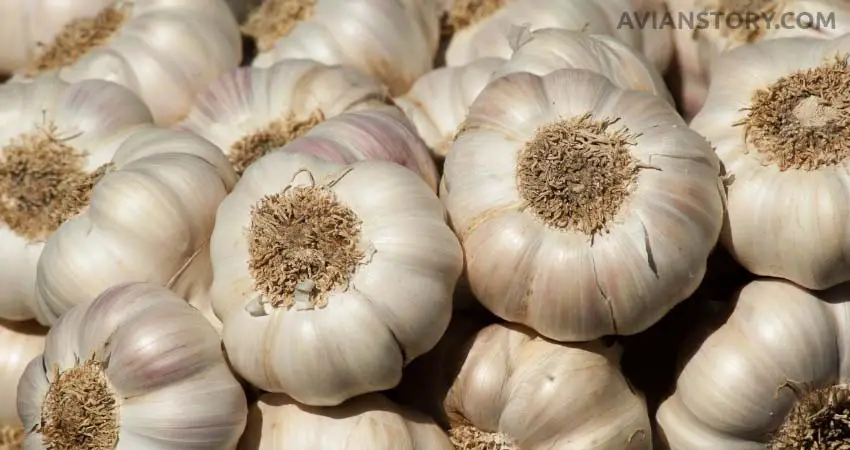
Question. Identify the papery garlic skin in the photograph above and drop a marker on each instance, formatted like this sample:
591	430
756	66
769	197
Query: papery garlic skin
543	51
165	50
367	422
390	40
439	101
149	220
92	116
732	393
570	284
394	306
788	224
165	368
21	342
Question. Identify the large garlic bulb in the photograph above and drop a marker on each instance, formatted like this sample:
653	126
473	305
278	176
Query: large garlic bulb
137	368
329	277
584	210
150	218
366	422
394	41
775	373
53	138
779	125
20	342
508	388
164	50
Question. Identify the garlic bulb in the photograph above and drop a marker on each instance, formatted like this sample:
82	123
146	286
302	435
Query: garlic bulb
367	422
508	388
439	101
584	210
774	373
137	368
21	342
779	126
163	50
53	137
393	41
333	304
150	219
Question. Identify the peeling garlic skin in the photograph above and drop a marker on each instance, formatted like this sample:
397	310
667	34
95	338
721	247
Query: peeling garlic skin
393	307
567	284
165	369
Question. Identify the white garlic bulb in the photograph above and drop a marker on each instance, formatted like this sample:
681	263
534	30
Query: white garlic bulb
20	342
393	41
584	210
149	219
163	50
53	137
778	125
366	422
775	373
137	368
329	278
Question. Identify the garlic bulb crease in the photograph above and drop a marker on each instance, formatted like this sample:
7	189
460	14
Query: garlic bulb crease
366	422
779	125
137	368
21	343
393	41
329	278
773	376
584	210
163	50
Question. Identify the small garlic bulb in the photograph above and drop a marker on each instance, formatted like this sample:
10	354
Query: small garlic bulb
584	210
21	342
779	125
329	278
149	219
137	368
53	138
775	373
366	422
393	41
163	50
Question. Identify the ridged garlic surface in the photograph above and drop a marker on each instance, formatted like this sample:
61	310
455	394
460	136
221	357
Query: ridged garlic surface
774	375
329	278
393	41
506	387
53	137
779	126
149	218
163	50
366	422
584	210
137	368
21	342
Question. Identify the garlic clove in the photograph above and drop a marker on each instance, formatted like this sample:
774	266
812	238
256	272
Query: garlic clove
22	342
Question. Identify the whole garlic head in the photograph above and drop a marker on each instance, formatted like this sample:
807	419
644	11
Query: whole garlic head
584	210
366	422
54	138
775	373
136	368
329	278
149	219
21	342
778	125
393	41
163	50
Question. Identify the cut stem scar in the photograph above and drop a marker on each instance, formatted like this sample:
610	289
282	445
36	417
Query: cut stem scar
275	19
576	174
276	134
11	437
467	437
465	13
820	419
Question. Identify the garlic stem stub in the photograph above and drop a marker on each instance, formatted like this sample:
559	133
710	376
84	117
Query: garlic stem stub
393	41
780	129
135	368
773	376
21	342
584	210
329	278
